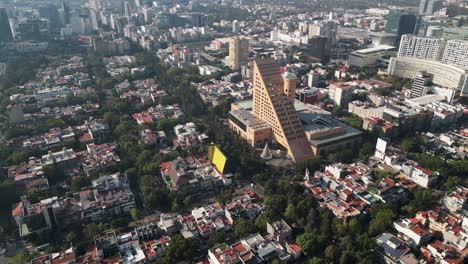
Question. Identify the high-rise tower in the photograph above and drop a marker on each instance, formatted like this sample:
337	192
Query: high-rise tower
5	29
272	104
400	23
238	52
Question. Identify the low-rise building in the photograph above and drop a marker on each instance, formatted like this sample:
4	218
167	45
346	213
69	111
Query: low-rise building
65	158
49	213
419	175
124	248
411	231
455	201
109	196
188	135
391	249
193	173
100	158
341	93
62	257
280	231
370	56
99	131
54	138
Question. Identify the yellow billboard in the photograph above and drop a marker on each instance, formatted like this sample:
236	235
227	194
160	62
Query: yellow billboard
217	158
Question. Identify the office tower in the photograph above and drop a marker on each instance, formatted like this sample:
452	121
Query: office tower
456	53
303	27
50	12
399	23
34	29
313	79
94	4
238	52
93	19
196	19
421	47
421	84
272	105
434	6
78	24
5	29
324	28
235	26
13	27
115	4
423	7
319	47
428	7
64	12
127	9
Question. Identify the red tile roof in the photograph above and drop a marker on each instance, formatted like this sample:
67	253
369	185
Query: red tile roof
295	247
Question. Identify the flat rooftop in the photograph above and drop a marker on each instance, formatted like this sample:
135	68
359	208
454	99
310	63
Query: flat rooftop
427	99
316	122
376	49
246	117
381	34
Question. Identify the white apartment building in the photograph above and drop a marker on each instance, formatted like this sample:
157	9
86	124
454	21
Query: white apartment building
422	177
456	53
341	93
421	47
364	110
411	232
52	92
419	175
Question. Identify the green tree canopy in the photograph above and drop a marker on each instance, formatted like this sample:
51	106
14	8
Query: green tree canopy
179	249
244	228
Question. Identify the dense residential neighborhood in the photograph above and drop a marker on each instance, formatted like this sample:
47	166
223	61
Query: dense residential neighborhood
233	131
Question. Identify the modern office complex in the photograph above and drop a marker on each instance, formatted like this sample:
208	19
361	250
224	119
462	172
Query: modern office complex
238	52
274	115
428	7
400	23
450	76
273	102
421	84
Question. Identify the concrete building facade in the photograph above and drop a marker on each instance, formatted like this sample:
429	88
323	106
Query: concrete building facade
272	104
238	52
421	47
456	53
446	75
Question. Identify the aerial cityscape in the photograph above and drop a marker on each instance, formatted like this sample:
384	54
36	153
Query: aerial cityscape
233	131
